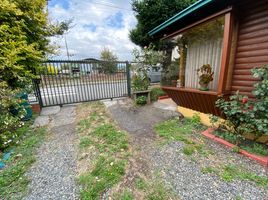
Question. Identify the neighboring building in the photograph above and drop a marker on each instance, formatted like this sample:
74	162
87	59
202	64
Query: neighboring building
230	35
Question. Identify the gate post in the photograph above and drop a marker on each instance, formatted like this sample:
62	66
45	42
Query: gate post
37	91
128	79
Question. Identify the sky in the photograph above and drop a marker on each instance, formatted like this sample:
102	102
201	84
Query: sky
97	24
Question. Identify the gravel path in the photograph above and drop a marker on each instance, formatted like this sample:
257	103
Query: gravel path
180	172
53	175
187	180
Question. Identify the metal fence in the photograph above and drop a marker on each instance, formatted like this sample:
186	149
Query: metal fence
65	82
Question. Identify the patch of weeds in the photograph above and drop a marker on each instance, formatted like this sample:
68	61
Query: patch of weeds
236	149
106	173
208	170
140	184
13	182
242	143
126	195
188	150
196	119
231	172
85	142
176	129
158	192
112	149
112	140
156	92
258	149
238	198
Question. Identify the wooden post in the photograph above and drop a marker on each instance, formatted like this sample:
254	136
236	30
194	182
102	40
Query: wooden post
225	52
182	65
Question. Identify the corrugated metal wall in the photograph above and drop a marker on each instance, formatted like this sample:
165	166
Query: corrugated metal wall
207	52
252	46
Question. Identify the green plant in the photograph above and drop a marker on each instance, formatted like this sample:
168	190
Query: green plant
231	172
13	181
141	100
126	195
111	147
9	122
140	184
196	119
208	170
236	149
248	116
188	150
205	75
140	83
258	149
156	92
145	58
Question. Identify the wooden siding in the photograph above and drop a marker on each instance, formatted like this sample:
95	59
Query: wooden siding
252	45
203	101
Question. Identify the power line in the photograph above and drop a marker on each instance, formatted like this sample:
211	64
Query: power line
111	6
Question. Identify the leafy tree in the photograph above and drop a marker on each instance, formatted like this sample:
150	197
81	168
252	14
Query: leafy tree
24	42
109	59
24	32
151	13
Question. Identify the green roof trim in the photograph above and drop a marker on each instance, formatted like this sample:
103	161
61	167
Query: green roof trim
180	15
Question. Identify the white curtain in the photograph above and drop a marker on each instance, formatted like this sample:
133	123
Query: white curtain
198	54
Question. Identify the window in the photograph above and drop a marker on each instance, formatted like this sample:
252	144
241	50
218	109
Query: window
202	45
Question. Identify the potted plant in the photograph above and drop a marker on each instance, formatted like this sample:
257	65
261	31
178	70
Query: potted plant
205	75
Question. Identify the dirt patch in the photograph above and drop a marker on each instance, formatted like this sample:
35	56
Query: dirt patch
139	122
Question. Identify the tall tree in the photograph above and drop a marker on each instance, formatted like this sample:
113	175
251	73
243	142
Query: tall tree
24	42
109	65
151	13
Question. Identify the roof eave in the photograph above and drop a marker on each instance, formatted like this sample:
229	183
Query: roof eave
180	15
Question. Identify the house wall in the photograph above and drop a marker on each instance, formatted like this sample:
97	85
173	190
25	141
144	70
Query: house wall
252	44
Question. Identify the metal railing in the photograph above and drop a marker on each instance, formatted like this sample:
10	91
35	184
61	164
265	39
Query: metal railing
65	82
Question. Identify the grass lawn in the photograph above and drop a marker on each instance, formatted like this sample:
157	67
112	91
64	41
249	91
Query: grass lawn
13	182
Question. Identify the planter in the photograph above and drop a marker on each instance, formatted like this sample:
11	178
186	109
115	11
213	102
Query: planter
263	160
203	86
36	108
146	93
163	97
25	104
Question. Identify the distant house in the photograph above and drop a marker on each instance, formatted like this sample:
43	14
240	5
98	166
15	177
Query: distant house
92	67
91	59
230	35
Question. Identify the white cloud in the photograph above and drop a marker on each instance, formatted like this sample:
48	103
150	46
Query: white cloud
95	26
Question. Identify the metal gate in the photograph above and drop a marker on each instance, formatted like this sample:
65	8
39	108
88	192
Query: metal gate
66	82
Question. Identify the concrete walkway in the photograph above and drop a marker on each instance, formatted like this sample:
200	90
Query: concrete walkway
53	174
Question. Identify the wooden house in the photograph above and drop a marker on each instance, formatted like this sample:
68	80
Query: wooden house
230	35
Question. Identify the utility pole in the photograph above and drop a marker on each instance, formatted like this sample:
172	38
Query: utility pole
67	50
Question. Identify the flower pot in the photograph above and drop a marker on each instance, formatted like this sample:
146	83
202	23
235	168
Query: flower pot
203	86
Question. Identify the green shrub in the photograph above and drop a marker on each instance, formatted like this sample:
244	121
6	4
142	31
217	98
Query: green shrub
141	100
9	122
156	92
140	83
248	116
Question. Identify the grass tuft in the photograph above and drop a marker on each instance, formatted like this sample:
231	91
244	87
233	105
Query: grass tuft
112	150
13	182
